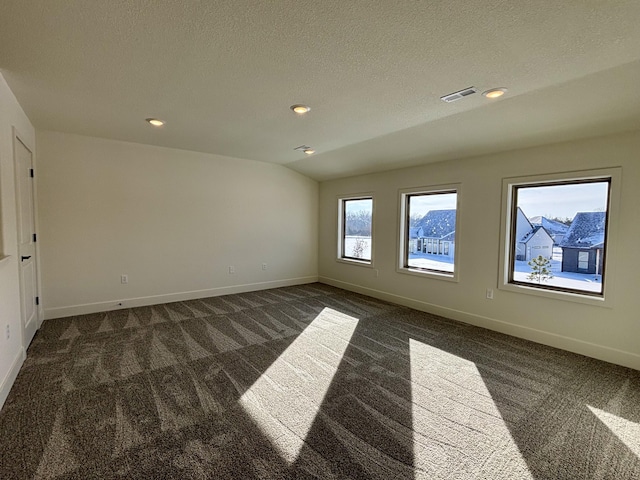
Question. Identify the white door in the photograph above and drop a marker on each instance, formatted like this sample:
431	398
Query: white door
26	241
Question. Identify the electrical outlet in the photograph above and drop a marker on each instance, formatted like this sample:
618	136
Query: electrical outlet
264	266
8	332
376	272
490	293
124	279
232	269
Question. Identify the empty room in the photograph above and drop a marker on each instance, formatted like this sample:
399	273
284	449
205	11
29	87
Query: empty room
299	239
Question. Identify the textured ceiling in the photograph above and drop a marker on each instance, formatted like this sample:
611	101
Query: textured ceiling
224	73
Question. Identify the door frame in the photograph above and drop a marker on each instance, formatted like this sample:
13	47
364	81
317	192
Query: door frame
18	137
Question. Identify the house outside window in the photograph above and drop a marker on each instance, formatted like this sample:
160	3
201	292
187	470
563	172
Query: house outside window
432	211
556	234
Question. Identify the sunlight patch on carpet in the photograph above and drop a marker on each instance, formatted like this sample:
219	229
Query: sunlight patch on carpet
286	398
456	423
626	431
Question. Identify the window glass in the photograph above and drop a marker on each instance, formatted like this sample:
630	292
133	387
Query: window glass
559	235
356	240
430	231
583	260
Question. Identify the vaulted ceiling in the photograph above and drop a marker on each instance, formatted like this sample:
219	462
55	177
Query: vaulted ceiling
223	74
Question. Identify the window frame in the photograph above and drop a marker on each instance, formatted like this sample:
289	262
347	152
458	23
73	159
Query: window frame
508	247
341	257
404	223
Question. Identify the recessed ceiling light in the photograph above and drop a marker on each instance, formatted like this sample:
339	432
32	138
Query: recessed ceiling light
155	122
495	92
300	109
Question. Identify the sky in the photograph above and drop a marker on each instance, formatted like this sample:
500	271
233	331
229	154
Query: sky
358	206
423	203
420	204
563	200
550	201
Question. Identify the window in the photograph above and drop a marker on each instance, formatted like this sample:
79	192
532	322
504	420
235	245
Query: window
557	233
583	261
429	220
355	229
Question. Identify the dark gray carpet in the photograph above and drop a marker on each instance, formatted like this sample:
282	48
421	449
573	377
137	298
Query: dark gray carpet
310	382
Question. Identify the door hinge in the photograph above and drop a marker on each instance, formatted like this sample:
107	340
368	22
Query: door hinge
31	172
34	237
37	300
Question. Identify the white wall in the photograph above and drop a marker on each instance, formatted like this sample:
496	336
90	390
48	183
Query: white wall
11	351
172	220
608	333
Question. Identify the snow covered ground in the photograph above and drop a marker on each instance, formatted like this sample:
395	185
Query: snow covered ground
350	243
579	281
430	261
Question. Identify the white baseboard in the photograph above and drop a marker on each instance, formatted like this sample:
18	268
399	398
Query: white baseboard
7	381
600	352
59	312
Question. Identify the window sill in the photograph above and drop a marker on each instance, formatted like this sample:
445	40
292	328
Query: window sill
416	272
599	301
359	263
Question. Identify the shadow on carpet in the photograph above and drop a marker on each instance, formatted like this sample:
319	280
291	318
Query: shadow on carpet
310	382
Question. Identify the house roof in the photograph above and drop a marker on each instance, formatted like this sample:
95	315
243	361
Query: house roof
587	230
415	232
223	75
449	237
551	226
439	223
532	233
523	225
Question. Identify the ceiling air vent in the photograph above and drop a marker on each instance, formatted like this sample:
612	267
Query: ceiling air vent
452	97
